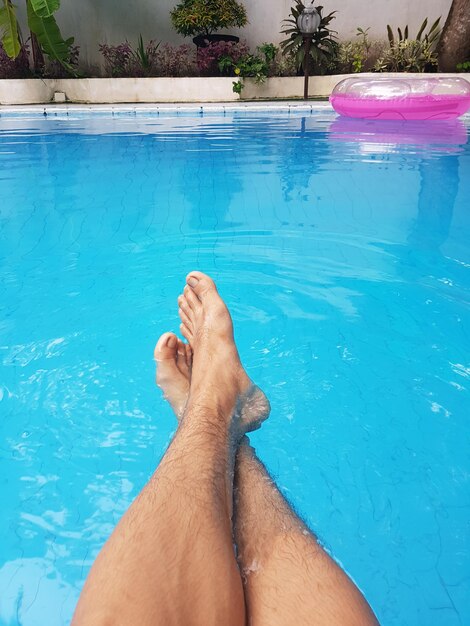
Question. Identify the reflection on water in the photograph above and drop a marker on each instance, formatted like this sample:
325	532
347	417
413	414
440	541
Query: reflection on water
433	135
341	247
435	202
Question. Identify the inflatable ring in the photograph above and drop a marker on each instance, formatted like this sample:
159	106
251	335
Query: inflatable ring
402	98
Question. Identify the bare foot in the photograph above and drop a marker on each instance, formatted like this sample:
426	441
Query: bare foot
217	378
173	376
174	360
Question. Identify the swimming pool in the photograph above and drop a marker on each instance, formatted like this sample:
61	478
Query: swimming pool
342	249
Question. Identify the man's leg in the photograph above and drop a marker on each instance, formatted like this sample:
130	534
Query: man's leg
170	559
288	577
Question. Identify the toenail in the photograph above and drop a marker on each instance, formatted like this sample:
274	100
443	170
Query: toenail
192	282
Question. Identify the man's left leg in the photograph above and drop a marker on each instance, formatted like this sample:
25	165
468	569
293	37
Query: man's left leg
170	560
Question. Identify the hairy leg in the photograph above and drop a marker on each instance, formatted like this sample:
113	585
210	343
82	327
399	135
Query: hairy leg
288	577
170	560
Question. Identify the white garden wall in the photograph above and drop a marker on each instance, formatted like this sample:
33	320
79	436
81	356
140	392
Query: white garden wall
158	90
112	21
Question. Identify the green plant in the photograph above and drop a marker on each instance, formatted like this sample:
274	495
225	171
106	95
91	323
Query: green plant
150	59
408	55
9	29
143	54
352	55
204	17
43	26
324	45
283	65
358	55
362	50
431	37
249	65
463	67
208	57
15	68
269	50
417	54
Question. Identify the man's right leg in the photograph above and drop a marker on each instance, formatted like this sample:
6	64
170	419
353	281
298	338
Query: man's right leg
288	577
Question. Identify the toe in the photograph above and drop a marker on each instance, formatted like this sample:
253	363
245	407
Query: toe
191	298
187	334
185	319
166	357
166	347
189	356
181	361
201	284
184	305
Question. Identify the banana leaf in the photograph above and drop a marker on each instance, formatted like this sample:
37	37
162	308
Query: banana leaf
9	29
45	8
49	37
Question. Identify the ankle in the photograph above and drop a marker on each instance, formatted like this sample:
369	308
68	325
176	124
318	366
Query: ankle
207	417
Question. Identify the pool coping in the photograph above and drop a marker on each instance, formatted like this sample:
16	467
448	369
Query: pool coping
155	109
170	109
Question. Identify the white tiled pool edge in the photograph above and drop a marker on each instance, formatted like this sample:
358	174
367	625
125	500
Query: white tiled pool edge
155	109
175	109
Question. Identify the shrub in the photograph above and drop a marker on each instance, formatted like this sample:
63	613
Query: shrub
359	55
118	60
408	55
208	58
430	37
176	61
411	55
463	67
125	61
204	17
283	65
255	66
15	68
150	59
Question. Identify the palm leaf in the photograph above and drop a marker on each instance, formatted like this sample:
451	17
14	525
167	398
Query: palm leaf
49	37
45	8
9	29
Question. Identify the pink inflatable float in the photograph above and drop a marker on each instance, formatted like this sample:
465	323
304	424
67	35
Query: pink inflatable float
401	98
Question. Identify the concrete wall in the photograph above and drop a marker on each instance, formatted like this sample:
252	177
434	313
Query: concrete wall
157	90
112	21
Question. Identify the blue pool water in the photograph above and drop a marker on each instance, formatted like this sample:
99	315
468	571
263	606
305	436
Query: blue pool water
342	249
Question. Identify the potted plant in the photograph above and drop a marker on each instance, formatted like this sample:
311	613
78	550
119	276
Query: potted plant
202	18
